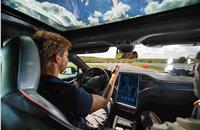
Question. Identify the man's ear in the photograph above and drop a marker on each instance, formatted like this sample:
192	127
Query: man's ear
57	57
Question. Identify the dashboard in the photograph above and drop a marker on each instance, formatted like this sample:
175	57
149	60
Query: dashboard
130	85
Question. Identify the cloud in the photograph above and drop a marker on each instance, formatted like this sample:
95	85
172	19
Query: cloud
57	15
86	2
156	6
118	11
60	13
93	20
97	14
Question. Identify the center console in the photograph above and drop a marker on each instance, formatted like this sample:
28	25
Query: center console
126	100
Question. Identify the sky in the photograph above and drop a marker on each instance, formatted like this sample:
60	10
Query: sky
84	13
95	12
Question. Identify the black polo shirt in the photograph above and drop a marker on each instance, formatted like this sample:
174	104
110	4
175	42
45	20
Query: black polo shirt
74	102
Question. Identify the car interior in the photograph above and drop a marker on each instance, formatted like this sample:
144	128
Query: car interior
169	96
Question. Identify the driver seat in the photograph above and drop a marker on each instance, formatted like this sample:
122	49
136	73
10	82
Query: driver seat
22	108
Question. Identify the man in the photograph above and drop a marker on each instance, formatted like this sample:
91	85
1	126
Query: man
152	122
74	102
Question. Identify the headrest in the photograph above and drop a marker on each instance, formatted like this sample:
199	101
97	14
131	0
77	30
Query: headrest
20	66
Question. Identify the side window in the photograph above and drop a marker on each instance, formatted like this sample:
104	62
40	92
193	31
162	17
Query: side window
69	71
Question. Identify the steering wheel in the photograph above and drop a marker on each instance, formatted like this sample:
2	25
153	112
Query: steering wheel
95	80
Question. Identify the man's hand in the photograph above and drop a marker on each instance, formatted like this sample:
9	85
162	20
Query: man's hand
197	103
115	72
102	101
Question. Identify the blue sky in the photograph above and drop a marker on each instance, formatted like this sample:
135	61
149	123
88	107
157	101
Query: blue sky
94	12
82	9
84	13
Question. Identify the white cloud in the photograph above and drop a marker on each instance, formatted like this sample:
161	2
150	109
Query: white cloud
86	2
156	6
60	13
93	20
54	12
115	2
97	14
117	12
137	16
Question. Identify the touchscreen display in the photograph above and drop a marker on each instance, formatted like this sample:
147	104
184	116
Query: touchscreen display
128	88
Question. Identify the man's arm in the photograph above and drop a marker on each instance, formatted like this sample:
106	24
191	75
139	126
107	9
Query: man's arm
102	101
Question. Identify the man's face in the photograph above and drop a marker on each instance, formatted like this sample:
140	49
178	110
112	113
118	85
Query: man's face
64	60
197	77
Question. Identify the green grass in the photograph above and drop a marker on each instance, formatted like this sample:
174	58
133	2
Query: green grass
98	66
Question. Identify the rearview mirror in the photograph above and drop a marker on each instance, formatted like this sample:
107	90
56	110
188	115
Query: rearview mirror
125	50
127	55
125	46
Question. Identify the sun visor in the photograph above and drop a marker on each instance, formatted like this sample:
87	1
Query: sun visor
91	47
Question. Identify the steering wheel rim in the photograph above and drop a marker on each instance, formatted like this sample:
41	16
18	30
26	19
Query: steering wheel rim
92	73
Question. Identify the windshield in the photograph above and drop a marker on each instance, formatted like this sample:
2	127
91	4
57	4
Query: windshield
174	59
73	14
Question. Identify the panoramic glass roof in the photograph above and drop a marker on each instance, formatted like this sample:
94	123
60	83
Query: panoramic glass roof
72	14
